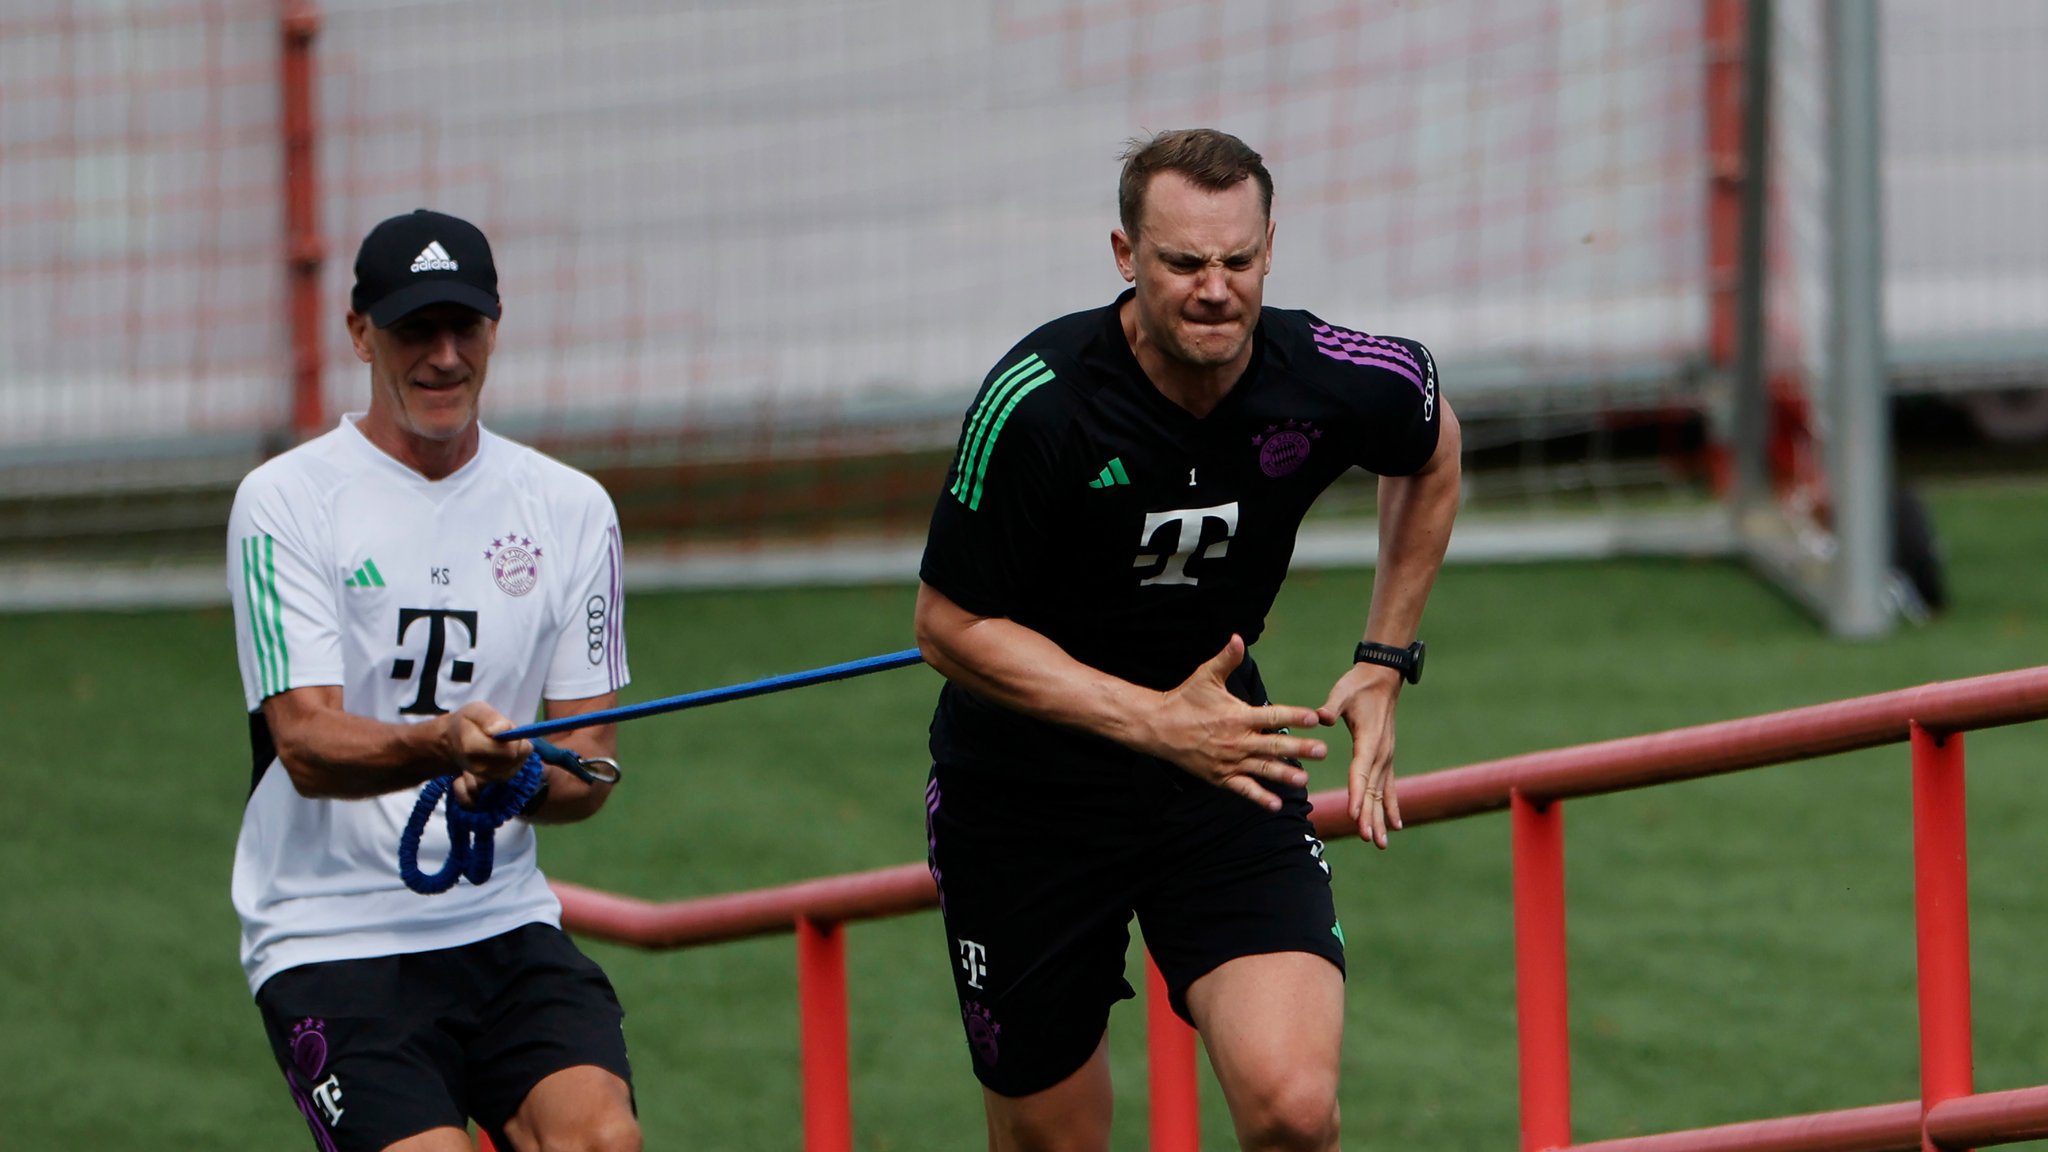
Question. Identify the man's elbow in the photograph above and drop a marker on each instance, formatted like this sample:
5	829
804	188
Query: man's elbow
929	647
945	635
310	777
574	808
317	777
937	656
929	622
1448	459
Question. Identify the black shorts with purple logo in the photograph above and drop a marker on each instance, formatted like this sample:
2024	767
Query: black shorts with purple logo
1040	873
381	1049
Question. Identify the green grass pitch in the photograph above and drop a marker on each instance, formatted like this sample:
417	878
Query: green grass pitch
1741	947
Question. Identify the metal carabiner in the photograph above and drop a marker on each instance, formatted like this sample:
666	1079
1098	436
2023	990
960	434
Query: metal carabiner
589	769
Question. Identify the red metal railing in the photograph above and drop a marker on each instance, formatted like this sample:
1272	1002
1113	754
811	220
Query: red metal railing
299	24
1932	718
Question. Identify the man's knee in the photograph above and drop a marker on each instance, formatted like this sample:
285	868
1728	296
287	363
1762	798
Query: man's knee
1071	1116
1289	1114
1043	1133
609	1132
581	1109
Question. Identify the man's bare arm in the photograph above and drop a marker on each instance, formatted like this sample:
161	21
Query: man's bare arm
1415	515
570	798
1198	725
333	754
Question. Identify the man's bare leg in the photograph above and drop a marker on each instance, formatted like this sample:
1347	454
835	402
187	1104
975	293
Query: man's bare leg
1274	1028
1071	1116
583	1108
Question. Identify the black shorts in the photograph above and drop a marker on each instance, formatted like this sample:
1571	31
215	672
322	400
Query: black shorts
1039	876
381	1049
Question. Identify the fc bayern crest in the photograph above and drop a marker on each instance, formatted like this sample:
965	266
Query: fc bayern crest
1283	448
309	1047
982	1031
515	563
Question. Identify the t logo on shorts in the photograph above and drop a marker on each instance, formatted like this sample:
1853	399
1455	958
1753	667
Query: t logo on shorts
973	961
327	1097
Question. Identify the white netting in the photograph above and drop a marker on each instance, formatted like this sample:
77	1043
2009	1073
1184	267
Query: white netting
807	207
141	250
801	229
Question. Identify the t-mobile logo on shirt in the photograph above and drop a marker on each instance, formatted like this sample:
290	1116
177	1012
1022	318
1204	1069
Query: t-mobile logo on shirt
1173	538
429	669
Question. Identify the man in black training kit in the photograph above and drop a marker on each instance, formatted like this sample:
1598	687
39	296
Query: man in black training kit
1115	526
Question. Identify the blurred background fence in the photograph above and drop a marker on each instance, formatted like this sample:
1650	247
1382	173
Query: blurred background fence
756	257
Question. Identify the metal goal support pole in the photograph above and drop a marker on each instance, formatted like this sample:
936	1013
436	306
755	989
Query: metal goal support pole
1858	439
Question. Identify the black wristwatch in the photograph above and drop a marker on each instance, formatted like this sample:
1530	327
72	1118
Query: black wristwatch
1407	661
540	800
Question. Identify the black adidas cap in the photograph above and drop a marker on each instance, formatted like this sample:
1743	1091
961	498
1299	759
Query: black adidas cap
422	258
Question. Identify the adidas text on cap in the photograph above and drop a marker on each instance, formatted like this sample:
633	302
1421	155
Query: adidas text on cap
422	258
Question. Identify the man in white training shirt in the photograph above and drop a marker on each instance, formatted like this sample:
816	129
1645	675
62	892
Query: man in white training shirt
405	586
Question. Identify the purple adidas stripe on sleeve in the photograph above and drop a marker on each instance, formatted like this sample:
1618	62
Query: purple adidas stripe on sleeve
615	638
1359	348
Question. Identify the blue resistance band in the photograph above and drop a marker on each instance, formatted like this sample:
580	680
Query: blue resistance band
781	683
471	830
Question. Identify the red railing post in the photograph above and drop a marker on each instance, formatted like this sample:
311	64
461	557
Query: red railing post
1543	1028
821	1010
304	249
1725	21
1170	1060
1941	894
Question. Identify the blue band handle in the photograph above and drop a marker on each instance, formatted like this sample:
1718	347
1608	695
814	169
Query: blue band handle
589	769
471	831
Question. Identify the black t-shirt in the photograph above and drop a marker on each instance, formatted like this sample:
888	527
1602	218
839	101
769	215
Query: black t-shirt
1086	506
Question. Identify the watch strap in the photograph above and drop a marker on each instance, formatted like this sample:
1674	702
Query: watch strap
1407	661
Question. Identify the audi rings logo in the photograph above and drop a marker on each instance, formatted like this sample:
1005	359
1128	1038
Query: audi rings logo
594	614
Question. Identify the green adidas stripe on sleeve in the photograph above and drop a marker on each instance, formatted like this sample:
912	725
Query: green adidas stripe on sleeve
266	614
284	652
979	442
977	425
258	632
981	469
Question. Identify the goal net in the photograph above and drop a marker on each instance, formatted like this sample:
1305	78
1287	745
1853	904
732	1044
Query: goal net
757	257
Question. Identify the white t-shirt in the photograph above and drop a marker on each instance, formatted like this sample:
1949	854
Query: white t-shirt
499	583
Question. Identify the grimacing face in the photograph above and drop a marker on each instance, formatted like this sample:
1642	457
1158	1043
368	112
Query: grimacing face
1199	262
426	370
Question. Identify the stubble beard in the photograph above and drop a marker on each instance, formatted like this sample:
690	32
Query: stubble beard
431	416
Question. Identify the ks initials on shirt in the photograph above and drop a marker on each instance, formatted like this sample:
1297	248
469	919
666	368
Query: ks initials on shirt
459	671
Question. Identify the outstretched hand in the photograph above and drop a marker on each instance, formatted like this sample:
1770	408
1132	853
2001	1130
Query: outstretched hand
1203	729
1363	699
